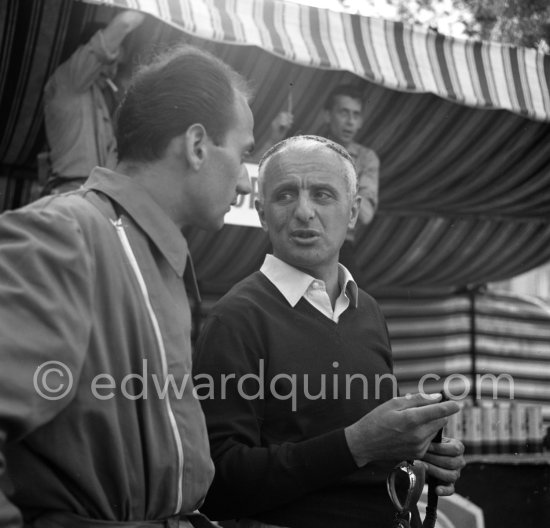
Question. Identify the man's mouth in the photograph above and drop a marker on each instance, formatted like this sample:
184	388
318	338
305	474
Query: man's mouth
304	236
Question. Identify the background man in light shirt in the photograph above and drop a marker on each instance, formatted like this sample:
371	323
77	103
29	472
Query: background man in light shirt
77	113
294	441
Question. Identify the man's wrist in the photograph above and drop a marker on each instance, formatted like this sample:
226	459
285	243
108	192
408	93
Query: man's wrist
356	446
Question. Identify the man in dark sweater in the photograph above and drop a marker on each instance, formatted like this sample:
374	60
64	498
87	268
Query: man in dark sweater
294	368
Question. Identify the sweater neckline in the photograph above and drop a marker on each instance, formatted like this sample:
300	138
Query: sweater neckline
302	305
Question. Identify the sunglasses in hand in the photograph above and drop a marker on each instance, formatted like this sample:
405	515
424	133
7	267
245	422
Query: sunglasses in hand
405	483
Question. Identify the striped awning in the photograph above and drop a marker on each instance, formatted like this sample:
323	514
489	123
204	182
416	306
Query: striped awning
462	129
397	56
395	253
464	190
466	339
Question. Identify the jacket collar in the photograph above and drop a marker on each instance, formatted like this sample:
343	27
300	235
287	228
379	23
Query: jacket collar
145	212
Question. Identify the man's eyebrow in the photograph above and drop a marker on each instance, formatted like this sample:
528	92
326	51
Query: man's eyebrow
285	185
325	186
282	186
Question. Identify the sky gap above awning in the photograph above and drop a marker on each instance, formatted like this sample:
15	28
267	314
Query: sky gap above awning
392	54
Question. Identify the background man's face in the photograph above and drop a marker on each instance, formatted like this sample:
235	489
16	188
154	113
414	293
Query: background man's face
344	119
307	208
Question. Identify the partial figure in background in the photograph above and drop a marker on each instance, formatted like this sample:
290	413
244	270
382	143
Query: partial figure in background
77	116
343	118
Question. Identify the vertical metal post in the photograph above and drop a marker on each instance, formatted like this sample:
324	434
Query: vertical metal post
472	291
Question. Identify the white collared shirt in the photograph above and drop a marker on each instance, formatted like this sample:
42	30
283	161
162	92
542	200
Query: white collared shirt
295	284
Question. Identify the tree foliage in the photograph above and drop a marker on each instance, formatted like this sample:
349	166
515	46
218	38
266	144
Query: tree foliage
519	22
516	22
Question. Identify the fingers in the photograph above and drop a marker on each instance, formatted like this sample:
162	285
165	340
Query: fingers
417	400
436	411
287	120
445	463
281	125
446	460
443	477
444	490
133	18
423	409
449	447
401	428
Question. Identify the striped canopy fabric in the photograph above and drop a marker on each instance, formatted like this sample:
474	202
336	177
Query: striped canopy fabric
464	340
464	191
462	129
397	56
395	252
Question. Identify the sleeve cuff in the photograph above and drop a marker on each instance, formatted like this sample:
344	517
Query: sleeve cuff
327	457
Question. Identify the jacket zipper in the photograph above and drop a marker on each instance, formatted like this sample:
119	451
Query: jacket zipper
135	267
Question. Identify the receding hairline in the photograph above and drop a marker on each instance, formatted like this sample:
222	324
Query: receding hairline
308	144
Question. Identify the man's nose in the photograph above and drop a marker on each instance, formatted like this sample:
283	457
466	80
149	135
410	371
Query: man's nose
244	185
304	209
352	120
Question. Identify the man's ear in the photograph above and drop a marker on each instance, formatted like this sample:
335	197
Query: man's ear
326	116
354	211
261	213
195	145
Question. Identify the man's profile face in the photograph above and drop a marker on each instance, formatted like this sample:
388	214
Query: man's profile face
224	175
306	208
344	119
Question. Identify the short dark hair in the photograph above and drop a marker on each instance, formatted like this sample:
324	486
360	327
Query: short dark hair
179	88
344	89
